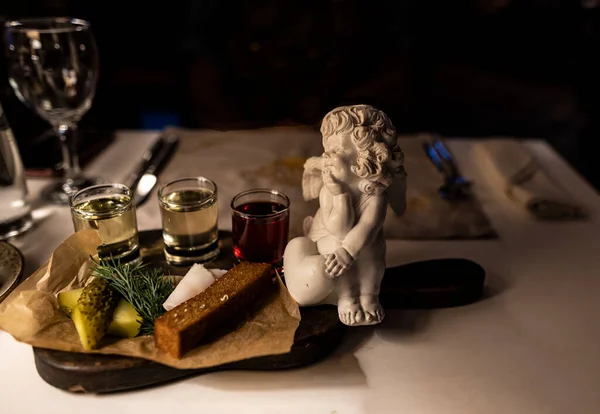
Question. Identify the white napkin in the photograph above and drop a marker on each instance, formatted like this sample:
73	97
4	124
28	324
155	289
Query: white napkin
524	181
274	158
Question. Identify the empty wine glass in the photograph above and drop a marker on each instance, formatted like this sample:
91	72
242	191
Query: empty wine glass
53	69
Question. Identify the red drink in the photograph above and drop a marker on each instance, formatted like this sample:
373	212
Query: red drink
260	227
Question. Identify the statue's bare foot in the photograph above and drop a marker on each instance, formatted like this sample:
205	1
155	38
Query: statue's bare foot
350	312
373	312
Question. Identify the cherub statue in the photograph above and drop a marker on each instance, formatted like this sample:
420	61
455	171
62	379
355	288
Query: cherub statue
341	258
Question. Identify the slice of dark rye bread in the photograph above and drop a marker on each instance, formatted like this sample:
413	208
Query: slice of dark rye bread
229	298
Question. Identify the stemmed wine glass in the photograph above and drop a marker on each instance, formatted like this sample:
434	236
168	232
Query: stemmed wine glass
53	69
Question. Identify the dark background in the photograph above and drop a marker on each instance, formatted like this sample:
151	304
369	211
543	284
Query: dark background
525	68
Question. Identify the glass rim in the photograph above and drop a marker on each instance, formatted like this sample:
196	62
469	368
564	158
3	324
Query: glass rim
119	186
265	191
208	200
29	24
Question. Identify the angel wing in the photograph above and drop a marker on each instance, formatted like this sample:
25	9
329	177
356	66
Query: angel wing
396	192
312	178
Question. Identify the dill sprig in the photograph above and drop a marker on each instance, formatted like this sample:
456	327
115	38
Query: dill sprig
146	289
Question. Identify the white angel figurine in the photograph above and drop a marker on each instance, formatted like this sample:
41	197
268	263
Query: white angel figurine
341	258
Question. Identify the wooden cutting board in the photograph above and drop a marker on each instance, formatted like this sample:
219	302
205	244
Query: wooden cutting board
427	284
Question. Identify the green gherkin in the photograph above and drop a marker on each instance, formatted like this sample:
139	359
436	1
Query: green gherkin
68	300
94	311
126	321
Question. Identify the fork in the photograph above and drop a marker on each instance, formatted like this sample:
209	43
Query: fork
455	187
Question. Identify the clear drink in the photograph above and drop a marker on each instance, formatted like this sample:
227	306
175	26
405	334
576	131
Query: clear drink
189	213
109	209
15	211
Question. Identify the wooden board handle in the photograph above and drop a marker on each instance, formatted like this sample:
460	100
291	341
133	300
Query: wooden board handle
431	284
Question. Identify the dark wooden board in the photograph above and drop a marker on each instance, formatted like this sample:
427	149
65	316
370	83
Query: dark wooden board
426	284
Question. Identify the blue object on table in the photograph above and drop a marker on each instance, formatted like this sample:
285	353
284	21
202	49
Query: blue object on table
455	186
159	120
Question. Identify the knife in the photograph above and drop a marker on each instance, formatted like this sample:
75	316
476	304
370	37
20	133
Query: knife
163	149
142	166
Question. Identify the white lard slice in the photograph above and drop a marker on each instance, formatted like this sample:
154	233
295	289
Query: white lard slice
217	273
196	280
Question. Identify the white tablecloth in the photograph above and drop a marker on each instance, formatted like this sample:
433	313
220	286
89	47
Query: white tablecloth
530	347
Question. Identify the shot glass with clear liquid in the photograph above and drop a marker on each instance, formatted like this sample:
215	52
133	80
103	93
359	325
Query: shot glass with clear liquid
189	212
109	209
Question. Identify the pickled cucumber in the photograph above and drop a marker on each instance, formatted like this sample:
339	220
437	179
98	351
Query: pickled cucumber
68	300
93	312
126	322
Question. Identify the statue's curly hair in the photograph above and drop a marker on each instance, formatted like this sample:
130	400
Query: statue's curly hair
379	157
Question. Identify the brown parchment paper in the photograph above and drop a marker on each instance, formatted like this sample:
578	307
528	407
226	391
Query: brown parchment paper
31	315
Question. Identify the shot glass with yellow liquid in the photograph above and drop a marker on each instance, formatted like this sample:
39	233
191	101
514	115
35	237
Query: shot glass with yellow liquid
109	209
189	212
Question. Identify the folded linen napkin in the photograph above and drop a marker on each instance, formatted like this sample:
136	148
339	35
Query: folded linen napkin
524	180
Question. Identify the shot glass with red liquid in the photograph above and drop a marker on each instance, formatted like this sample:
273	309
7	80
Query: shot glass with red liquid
260	224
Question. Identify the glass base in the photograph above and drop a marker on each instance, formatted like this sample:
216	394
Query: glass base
59	193
130	259
187	257
15	227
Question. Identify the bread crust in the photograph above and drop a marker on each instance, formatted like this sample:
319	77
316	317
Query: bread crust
237	292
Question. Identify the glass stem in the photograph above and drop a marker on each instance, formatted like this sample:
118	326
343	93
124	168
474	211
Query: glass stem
68	146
